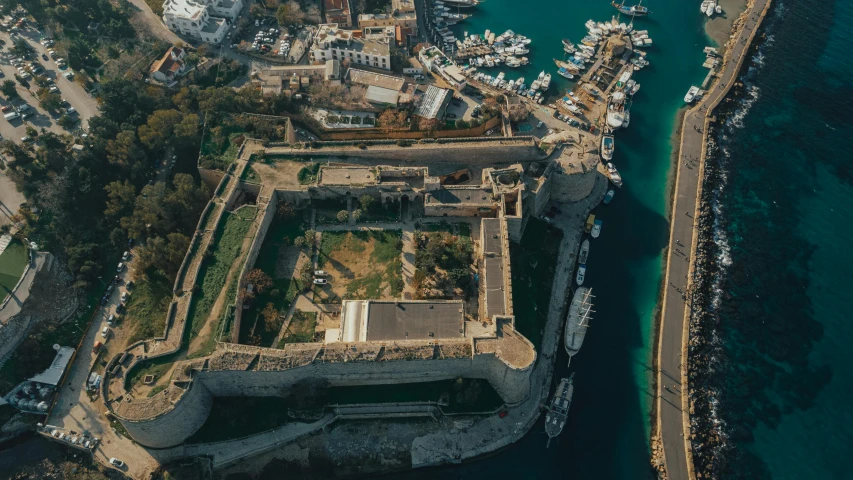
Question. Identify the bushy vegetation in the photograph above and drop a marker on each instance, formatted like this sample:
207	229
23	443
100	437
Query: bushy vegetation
307	175
442	264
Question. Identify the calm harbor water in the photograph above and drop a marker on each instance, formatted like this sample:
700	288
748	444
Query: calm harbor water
784	217
608	426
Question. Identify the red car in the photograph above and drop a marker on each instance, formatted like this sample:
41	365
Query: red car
6	108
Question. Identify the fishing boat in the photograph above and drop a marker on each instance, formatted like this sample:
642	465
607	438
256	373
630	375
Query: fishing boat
609	196
555	419
614	175
596	229
581	272
578	320
564	73
546	82
568	46
607	147
461	3
634	10
691	94
584	252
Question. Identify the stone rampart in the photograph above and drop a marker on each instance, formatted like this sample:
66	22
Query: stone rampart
189	411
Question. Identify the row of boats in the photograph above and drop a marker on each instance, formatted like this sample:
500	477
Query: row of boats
710	7
534	91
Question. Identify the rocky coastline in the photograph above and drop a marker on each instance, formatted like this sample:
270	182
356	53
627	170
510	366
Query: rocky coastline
709	300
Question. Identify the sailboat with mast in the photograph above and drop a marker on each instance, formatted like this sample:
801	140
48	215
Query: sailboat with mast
580	312
637	10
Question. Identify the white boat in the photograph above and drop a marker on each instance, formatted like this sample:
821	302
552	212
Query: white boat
718	9
565	73
607	147
710	10
691	94
614	175
581	274
705	4
584	252
546	82
635	89
596	229
580	311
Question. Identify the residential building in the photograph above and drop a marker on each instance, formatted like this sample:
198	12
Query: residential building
170	67
435	60
206	20
333	43
407	21
338	11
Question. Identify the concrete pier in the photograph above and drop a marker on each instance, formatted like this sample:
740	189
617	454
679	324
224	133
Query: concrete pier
673	402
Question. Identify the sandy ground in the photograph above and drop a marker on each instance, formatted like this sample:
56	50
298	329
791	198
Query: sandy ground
719	28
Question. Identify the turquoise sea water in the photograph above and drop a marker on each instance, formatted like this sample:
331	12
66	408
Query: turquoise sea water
608	426
784	215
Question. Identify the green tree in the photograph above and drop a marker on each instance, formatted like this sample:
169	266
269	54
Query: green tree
122	196
356	214
289	14
21	47
343	216
259	279
9	89
48	100
366	202
159	128
66	122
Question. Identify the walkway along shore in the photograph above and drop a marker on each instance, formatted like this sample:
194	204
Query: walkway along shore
673	405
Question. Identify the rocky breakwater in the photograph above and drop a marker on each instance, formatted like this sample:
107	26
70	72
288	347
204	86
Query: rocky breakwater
705	369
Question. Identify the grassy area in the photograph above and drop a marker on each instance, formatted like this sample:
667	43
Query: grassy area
463	394
457	228
443	263
148	306
156	367
226	248
12	263
280	234
236	417
532	276
251	175
361	264
301	328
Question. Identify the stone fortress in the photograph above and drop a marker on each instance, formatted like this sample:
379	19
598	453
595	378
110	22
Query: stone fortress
377	341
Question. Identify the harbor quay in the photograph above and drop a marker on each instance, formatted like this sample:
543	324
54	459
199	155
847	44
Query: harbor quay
677	438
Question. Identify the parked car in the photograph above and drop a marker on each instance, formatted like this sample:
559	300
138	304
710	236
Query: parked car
120	267
97	347
320	281
105	332
125	256
111	320
120	308
320	273
124	296
116	462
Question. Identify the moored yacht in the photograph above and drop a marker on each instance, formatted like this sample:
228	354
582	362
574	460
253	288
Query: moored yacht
596	230
691	94
607	147
614	175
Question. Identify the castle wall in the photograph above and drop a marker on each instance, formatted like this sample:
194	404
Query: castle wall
211	178
445	210
572	187
191	411
175	426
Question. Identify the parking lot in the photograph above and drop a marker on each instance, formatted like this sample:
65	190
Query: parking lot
270	40
77	104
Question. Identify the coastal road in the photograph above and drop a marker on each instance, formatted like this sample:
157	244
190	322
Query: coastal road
673	407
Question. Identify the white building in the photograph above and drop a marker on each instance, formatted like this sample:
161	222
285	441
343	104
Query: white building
206	20
332	43
435	60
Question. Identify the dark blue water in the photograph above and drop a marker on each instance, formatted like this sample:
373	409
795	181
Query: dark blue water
784	212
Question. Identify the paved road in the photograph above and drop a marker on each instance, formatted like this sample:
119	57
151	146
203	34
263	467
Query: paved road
672	380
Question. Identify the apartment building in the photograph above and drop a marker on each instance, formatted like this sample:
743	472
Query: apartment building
206	20
333	43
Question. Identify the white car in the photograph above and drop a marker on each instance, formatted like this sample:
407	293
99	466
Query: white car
320	281
105	332
111	320
125	296
320	273
114	461
120	267
125	256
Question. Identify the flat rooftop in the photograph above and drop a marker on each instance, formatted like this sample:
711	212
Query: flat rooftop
459	196
415	320
347	176
491	235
